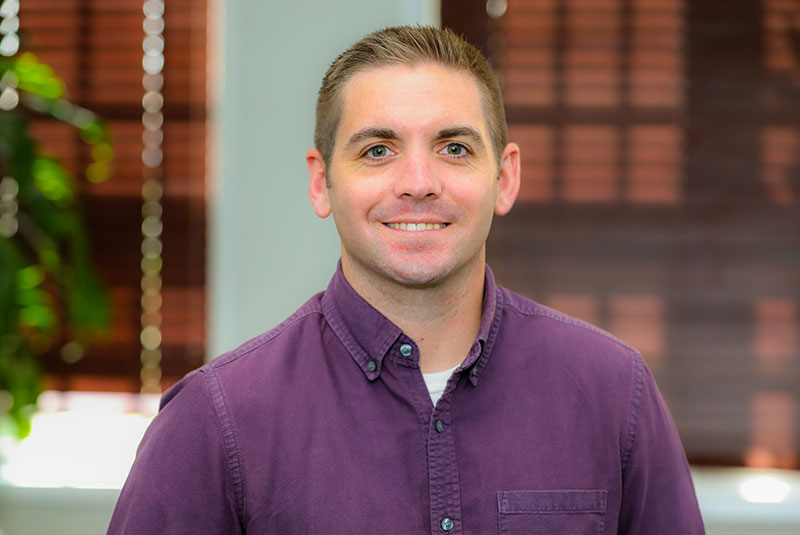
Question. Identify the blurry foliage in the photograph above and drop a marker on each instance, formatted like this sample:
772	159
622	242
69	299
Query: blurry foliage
49	292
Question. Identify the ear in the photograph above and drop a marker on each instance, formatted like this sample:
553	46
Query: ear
508	181
317	183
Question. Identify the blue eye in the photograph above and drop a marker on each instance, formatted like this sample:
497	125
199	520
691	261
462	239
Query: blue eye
455	149
378	151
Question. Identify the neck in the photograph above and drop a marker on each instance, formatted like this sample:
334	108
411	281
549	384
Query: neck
442	318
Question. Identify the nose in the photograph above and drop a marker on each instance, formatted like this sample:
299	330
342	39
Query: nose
417	178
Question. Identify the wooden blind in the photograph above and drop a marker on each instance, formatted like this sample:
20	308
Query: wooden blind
96	46
661	173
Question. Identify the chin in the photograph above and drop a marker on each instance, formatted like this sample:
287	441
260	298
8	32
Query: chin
420	274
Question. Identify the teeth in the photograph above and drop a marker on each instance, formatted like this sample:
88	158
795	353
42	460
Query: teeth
414	227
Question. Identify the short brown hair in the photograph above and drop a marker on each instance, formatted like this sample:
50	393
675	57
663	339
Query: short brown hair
409	45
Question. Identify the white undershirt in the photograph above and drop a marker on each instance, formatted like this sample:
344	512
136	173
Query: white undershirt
437	381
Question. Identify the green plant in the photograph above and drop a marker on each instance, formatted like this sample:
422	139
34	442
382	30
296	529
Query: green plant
49	291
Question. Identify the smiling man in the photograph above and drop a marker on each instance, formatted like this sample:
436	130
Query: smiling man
414	395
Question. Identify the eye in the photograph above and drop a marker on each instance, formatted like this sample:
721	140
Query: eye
455	149
378	152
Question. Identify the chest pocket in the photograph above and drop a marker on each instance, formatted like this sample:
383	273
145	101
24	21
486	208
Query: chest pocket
547	512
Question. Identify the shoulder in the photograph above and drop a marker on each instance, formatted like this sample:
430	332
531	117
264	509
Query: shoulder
282	339
546	340
299	323
550	323
258	361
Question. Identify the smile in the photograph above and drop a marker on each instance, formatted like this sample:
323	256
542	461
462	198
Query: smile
415	227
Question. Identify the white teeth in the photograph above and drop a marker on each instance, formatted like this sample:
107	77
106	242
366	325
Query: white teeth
414	227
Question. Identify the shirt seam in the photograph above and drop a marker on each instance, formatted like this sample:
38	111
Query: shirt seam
545	312
494	326
637	387
228	432
256	343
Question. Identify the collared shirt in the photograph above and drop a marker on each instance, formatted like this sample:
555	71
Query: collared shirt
324	425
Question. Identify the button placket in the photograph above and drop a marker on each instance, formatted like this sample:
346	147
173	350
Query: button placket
443	473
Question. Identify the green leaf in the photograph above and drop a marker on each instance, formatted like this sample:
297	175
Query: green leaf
52	180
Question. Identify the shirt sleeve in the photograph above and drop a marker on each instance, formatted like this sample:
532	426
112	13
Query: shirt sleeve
181	481
658	495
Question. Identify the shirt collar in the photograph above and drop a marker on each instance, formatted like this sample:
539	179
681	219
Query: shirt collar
368	335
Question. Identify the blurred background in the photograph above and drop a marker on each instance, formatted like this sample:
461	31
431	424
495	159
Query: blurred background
155	215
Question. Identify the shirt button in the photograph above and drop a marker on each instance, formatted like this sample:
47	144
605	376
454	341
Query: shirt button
439	425
406	349
371	366
474	371
446	524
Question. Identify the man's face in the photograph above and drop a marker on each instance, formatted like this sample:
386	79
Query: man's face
413	179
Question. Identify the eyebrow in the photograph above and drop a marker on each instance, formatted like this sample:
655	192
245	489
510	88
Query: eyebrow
388	133
462	131
371	133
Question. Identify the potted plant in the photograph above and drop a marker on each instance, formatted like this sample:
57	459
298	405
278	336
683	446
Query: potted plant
50	294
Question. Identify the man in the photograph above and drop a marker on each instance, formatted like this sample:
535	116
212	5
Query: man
333	422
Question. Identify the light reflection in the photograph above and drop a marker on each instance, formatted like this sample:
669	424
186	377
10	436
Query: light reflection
72	352
153	82
151	282
78	440
153	44
152	101
152	138
9	25
9	8
153	26
151	208
764	489
9	45
152	157
496	8
152	64
151	301
151	264
152	121
151	246
152	226
8	207
153	9
152	191
9	99
151	337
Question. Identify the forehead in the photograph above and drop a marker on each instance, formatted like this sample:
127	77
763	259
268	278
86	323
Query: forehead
411	97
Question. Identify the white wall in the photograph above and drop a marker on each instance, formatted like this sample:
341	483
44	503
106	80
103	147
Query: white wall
268	252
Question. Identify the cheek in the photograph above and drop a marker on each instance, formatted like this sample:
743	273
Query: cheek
351	202
477	201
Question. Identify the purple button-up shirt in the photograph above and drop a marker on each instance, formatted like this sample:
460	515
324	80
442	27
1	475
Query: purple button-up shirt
324	426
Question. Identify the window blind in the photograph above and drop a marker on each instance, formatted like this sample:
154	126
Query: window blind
659	199
96	47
